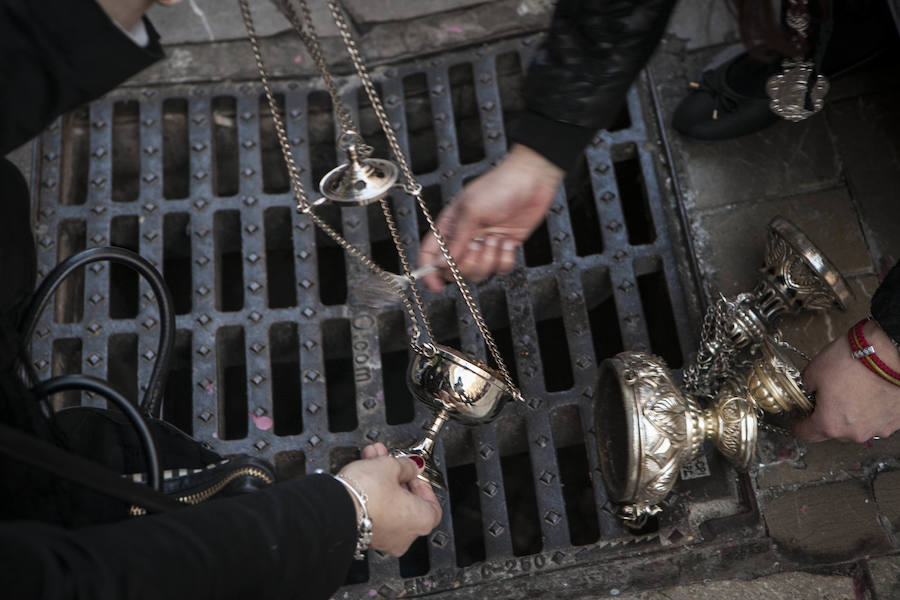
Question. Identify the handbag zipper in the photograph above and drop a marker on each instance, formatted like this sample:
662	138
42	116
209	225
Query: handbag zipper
202	495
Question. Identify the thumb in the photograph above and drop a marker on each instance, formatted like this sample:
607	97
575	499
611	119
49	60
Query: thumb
808	429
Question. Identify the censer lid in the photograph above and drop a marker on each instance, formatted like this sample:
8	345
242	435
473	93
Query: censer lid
359	181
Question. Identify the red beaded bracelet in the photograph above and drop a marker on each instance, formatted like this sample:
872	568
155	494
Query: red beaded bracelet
863	350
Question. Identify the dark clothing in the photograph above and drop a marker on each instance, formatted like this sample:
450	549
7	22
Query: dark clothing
886	303
291	540
580	75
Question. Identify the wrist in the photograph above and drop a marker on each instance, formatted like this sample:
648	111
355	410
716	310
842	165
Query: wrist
545	170
883	344
364	523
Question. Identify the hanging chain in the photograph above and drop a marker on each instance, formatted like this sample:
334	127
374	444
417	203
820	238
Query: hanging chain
303	204
414	189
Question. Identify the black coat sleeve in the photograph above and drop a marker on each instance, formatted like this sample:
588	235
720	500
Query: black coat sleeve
885	306
292	540
56	55
580	75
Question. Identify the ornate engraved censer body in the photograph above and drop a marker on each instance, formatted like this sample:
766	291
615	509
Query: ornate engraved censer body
796	276
647	428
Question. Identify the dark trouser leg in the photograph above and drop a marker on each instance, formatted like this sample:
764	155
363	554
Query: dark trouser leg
17	255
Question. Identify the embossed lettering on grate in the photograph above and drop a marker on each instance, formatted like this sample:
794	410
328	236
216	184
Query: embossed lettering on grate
273	358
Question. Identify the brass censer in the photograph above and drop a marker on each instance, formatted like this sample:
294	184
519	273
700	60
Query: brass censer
455	386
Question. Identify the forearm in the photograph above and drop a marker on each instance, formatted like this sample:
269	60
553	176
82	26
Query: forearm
886	303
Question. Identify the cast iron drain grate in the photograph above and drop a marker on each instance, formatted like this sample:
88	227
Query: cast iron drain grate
272	357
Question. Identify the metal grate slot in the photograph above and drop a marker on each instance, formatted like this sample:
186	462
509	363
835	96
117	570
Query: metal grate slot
465	509
340	388
383	251
583	211
176	157
284	367
466	115
601	306
574	475
126	151
123	281
66	361
496	314
229	260
289	464
320	124
280	277
76	145
633	194
122	364
368	123
177	259
177	405
224	133
537	248
69	304
434	201
658	310
231	377
275	178
420	133
551	334
509	83
622	120
398	401
331	261
415	562
521	498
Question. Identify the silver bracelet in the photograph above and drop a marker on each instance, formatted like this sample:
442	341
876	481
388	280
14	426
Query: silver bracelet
364	529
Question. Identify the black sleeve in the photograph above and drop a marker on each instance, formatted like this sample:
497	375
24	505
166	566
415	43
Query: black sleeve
580	75
56	55
291	540
886	303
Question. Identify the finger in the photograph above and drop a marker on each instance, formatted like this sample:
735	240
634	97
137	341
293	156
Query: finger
810	430
507	257
369	452
426	505
476	264
409	469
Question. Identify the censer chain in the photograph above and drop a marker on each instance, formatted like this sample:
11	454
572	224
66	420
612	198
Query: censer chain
415	189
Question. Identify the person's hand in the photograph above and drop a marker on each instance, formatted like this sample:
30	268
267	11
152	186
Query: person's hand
401	506
852	402
492	216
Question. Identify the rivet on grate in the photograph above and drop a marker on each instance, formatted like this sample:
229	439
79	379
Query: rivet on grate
527	41
607	196
149	207
254	287
396	126
205	416
309	344
372	435
583	362
94	327
200	175
149	122
535	403
98	210
573	297
253	258
494	135
486	451
620	255
296	141
496	529
257	379
246	115
256	347
198	147
203	350
245	87
202	261
588	392
44	332
485	78
403	211
261	445
390	73
613	226
308	312
488	106
558	557
248	144
148	323
315	440
568	265
353	222
561	236
96	299
437	90
313	408
444	145
250	200
251	228
552	517
542	441
312	375
547	477
149	355
296	113
391	100
49	184
98	238
302	226
490	489
303	255
248	172
51	156
626	286
41	364
149	177
46	242
440	539
151	235
601	168
94	359
99	152
202	232
631	319
148	295
259	411
98	124
369	403
529	371
255	316
150	150
202	291
203	319
200	204
47	212
99	181
597	141
556	208
96	268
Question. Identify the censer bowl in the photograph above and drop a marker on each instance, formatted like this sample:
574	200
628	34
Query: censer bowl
448	381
